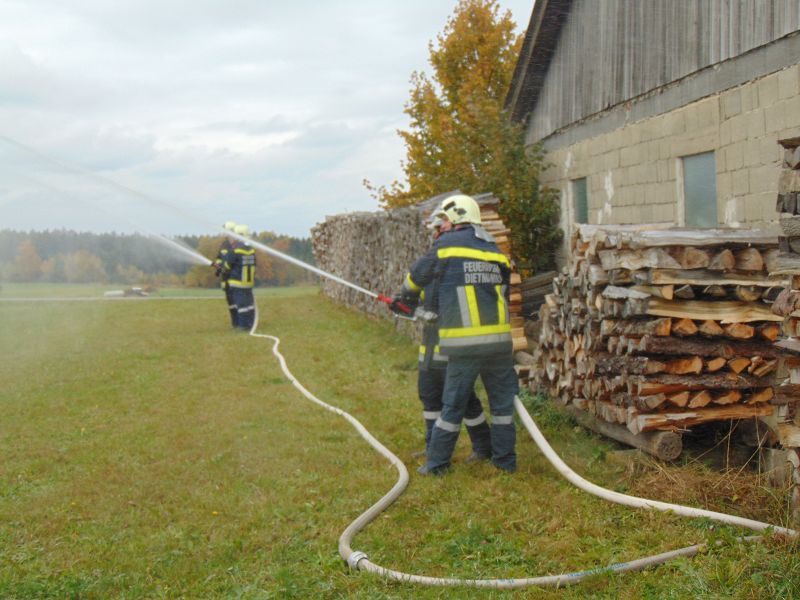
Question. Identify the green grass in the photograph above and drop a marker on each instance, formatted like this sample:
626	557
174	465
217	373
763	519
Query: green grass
150	452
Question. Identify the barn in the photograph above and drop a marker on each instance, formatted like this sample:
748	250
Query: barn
661	112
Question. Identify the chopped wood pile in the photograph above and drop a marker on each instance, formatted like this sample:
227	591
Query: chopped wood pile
375	250
787	307
371	249
658	330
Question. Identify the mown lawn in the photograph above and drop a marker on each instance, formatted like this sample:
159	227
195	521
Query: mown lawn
150	452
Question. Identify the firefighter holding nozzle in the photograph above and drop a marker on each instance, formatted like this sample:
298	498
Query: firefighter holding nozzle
237	269
432	368
469	279
217	265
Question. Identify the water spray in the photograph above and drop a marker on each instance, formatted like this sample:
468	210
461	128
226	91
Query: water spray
380	297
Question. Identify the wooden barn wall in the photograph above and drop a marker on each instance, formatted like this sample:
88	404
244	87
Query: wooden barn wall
611	51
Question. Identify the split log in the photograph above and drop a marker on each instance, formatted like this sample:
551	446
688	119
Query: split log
683	327
759	396
699	399
726	311
715	364
615	292
667	292
749	259
659	327
729	397
670	421
664	445
644	236
760	367
647	258
644	385
633	365
701	347
715	291
710	328
706	277
690	257
787	302
684	292
620	277
679	398
747	293
738	364
722	261
739	331
769	331
684	366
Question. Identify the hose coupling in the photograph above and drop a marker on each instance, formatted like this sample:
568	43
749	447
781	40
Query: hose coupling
354	558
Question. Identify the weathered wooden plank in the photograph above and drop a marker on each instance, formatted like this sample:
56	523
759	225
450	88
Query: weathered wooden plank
706	277
638	423
723	311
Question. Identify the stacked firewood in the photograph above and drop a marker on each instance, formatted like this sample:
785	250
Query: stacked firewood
663	329
787	306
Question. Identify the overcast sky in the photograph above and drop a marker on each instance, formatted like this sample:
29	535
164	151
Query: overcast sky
174	116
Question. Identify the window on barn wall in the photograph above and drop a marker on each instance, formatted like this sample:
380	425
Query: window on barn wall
700	190
580	201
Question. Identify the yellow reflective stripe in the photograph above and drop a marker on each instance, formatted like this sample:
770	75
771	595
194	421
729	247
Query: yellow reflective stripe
435	349
472	303
468	331
411	285
246	251
458	252
501	304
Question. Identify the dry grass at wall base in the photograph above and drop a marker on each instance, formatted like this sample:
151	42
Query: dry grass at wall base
148	452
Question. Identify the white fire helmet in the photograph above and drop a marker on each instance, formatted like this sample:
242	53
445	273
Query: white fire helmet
461	209
229	225
242	230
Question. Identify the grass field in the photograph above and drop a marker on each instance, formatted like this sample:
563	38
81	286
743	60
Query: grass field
150	452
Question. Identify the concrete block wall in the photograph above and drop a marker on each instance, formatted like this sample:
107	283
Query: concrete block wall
634	173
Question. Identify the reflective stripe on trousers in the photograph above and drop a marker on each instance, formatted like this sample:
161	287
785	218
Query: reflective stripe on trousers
500	380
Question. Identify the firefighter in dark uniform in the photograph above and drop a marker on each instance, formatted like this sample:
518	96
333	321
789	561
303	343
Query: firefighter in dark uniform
240	268
474	331
222	256
431	375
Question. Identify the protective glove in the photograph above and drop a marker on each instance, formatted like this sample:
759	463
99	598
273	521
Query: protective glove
404	304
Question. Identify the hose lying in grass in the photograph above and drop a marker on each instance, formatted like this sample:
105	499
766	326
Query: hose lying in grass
359	561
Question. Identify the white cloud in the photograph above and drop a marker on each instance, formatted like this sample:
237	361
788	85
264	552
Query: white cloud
265	112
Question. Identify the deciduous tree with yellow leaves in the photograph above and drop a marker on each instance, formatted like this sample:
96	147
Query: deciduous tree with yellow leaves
461	138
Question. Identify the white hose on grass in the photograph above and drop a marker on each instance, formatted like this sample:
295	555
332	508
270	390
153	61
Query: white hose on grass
358	560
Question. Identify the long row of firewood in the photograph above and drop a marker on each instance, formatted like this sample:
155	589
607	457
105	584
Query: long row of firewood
663	329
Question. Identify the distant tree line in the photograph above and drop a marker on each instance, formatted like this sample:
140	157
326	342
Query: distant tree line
64	256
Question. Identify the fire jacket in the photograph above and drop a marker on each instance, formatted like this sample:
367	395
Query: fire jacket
473	289
430	355
224	249
240	266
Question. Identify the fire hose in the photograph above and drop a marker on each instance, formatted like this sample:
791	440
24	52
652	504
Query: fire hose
358	560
